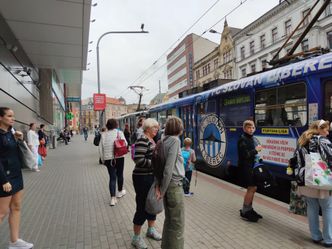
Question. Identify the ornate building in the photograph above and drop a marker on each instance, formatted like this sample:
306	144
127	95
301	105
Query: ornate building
219	64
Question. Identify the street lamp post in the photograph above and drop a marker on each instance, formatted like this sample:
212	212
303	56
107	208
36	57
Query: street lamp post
97	48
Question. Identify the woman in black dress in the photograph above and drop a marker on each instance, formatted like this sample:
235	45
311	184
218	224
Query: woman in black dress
11	180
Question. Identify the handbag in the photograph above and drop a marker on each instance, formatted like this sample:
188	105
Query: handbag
317	173
27	157
152	204
42	150
120	147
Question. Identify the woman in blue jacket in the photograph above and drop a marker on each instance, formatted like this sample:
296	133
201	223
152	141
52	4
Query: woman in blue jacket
11	180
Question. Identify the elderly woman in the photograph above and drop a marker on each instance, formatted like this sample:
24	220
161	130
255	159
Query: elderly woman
171	186
142	180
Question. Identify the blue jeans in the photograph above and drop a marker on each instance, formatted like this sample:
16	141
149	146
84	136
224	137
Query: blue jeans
313	218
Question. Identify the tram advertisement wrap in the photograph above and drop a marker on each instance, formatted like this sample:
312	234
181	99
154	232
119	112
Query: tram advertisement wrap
277	149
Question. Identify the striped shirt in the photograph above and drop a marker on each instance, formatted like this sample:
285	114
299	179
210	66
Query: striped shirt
143	155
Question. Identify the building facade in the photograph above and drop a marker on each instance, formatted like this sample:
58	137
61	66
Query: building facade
115	108
258	42
180	63
219	64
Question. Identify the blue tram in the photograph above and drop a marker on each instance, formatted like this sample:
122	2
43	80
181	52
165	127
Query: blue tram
282	102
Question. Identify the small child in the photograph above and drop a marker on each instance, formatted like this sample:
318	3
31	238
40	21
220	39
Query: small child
189	157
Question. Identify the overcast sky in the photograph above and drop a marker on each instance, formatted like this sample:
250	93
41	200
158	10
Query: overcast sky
124	57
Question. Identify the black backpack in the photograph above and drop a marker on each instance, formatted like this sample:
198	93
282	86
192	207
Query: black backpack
158	160
96	140
297	163
262	175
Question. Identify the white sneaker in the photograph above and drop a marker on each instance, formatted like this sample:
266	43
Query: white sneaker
20	244
35	170
113	201
121	193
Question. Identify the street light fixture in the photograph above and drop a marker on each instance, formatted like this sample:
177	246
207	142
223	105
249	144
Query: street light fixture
97	48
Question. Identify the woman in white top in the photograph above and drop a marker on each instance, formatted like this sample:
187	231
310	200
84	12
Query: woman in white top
33	143
114	165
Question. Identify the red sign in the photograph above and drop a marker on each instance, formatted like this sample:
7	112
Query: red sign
99	101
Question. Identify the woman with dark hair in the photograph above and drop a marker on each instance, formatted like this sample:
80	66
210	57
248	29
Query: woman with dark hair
170	187
126	133
33	143
11	180
114	165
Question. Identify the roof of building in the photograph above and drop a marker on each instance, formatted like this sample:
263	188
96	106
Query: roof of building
158	98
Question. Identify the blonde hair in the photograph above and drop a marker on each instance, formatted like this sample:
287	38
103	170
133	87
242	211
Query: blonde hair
187	141
248	123
313	130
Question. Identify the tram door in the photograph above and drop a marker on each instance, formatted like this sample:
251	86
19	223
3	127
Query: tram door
328	100
187	117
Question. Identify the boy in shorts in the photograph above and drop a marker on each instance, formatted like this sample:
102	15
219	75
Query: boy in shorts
247	151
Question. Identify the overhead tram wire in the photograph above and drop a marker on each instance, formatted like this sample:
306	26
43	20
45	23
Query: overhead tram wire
173	44
194	40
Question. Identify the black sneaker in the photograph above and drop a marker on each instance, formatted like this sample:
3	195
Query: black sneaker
249	216
257	214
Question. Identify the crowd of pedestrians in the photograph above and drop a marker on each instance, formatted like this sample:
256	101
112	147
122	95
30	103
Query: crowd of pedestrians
174	183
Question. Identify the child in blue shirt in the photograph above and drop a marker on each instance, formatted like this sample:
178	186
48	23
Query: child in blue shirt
189	157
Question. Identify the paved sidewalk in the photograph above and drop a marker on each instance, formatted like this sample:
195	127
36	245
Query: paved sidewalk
66	206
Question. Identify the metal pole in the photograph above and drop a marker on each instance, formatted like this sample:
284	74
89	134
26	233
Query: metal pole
97	48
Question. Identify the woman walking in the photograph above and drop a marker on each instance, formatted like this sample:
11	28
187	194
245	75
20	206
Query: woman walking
11	180
315	140
142	180
114	165
33	143
171	186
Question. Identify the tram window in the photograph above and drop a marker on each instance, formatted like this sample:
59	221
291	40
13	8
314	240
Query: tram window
283	106
162	117
328	101
207	107
171	112
235	109
154	115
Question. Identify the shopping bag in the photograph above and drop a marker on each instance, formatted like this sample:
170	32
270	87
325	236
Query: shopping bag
297	204
317	173
27	157
152	204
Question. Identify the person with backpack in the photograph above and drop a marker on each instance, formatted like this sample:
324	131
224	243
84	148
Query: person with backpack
143	179
169	187
115	165
247	151
315	140
189	158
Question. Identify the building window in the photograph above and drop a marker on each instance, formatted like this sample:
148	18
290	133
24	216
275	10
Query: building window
328	10
274	35
253	67
227	56
242	52
216	61
198	74
205	70
208	68
264	64
262	41
329	39
305	45
244	72
307	19
288	27
252	47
